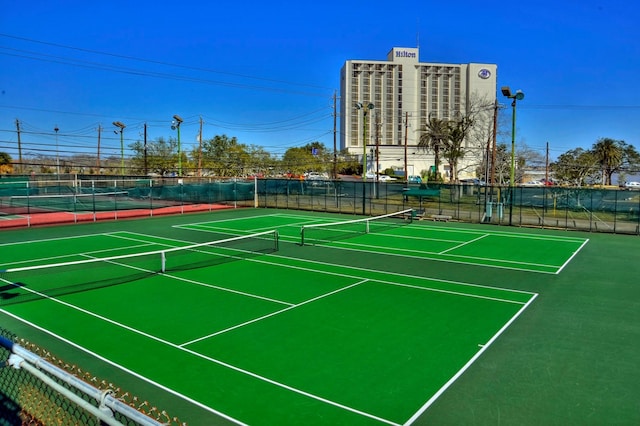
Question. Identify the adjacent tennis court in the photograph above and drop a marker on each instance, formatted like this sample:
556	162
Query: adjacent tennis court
488	247
266	317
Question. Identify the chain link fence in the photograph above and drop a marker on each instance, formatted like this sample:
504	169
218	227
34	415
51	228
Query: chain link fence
586	209
27	200
47	392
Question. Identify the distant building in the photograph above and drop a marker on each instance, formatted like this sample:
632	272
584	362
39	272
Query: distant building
405	93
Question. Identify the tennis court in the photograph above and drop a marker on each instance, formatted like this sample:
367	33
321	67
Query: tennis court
258	328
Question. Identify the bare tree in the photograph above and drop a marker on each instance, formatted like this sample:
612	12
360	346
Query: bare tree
461	139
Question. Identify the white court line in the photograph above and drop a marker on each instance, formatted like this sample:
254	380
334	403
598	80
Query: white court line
317	271
430	228
52	239
62	256
389	273
467	365
13	264
209	227
345	245
225	289
186	225
464	244
384	250
211	359
123	368
233	219
355	277
377	280
572	256
358	269
322	296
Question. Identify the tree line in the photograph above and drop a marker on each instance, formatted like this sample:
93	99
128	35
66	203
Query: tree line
597	165
220	156
225	156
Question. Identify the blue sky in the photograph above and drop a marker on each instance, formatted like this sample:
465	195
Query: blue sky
265	72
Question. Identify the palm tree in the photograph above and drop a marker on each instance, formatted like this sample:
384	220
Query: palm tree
609	154
454	151
434	138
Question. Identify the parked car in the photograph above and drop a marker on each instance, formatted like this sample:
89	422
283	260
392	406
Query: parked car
472	181
532	183
632	185
414	179
316	176
385	178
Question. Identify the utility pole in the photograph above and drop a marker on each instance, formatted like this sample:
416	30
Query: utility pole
98	158
487	158
146	164
546	167
335	153
200	149
378	124
406	132
495	136
19	146
376	183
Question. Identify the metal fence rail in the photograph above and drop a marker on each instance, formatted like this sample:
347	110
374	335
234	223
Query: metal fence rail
34	390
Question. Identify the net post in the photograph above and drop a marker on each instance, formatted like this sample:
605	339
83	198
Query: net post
366	229
302	235
277	239
163	262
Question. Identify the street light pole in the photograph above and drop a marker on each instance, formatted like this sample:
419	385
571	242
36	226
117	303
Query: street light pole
365	109
56	129
518	96
176	125
121	126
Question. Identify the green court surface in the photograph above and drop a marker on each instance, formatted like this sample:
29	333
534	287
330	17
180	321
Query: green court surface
425	323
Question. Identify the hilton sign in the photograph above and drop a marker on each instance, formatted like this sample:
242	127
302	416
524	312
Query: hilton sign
405	54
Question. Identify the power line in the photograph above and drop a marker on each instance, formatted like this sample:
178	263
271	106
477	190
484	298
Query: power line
133	58
580	107
32	55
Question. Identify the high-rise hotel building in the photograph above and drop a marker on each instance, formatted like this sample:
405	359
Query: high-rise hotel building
404	93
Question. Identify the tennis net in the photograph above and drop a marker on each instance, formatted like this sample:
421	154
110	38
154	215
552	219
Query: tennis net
88	272
69	202
318	233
